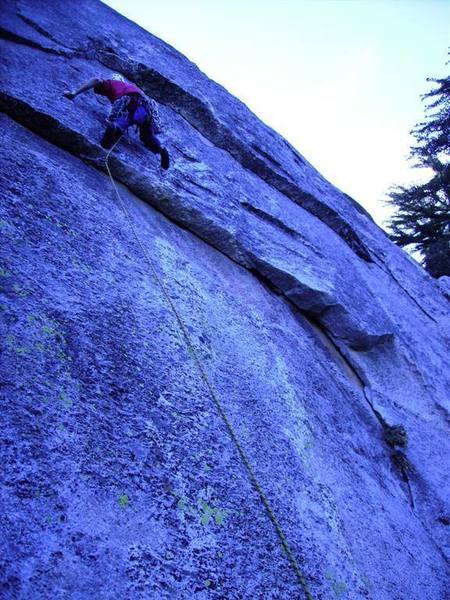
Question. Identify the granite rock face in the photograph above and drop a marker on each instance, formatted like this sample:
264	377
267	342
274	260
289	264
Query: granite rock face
327	347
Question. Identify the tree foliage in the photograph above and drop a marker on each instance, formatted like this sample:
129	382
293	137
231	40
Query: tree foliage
422	216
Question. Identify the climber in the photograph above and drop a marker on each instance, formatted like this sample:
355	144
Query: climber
130	106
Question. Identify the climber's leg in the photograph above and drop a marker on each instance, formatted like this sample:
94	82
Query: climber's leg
150	141
111	135
148	138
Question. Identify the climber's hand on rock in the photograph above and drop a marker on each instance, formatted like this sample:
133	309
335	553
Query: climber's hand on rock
69	95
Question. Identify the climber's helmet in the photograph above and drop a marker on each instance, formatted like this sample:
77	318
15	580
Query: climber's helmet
118	77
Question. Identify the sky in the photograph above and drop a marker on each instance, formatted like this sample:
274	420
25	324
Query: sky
341	80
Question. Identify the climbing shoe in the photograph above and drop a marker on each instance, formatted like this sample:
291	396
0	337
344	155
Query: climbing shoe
165	162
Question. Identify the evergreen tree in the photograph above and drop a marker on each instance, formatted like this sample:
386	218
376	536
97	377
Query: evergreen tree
422	216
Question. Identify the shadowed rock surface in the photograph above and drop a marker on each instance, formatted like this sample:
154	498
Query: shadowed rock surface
327	345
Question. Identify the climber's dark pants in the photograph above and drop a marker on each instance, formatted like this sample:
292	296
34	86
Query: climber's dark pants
110	137
127	111
148	137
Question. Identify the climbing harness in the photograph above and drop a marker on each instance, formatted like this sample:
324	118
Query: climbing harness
125	108
212	392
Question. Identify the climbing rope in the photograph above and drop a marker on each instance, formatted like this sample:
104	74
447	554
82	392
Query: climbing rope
212	392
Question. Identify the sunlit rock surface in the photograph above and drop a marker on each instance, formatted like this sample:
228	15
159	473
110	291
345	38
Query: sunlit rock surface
326	344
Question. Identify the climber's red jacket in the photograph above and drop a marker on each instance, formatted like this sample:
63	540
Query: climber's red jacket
114	90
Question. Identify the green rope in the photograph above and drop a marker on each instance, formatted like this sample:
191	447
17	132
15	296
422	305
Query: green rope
212	392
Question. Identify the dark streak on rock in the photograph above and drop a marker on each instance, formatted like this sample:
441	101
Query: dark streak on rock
270	219
384	267
18	39
40	29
